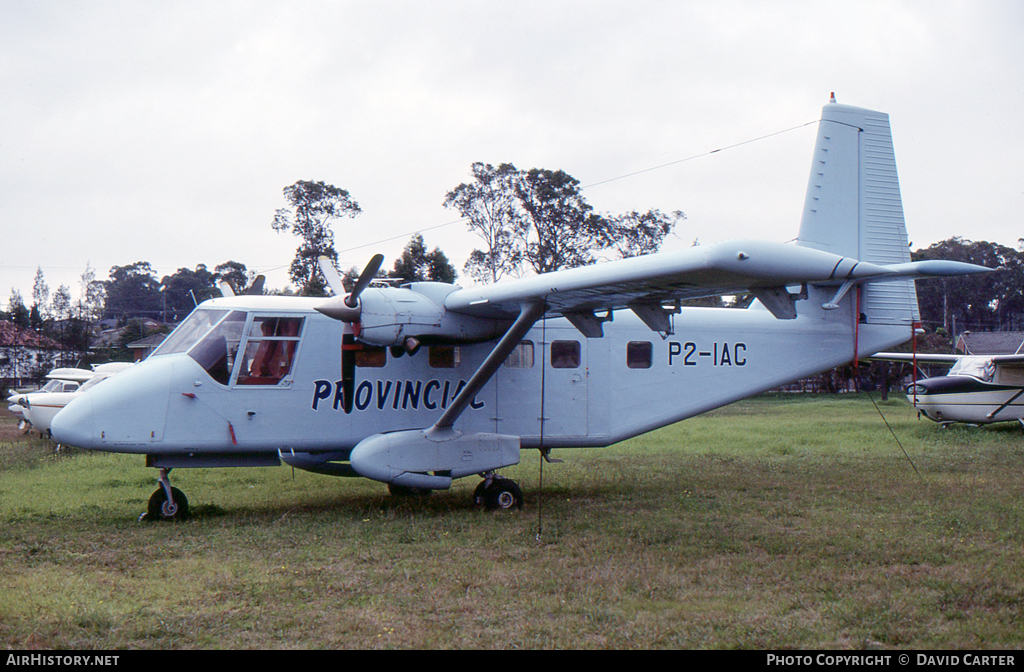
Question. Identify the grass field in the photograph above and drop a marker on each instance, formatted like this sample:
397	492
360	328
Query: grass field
772	523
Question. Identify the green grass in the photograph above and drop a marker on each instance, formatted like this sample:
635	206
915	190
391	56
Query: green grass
791	522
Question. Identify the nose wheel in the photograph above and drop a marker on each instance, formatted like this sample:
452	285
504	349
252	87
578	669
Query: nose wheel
167	503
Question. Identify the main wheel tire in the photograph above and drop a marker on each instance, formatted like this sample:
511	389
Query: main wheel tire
503	495
162	509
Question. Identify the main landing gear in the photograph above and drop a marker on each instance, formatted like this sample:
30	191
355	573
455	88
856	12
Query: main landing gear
167	503
497	493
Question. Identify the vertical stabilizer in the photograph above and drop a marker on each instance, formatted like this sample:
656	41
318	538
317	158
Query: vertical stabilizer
853	206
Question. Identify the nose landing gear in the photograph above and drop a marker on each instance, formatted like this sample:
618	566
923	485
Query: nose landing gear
167	503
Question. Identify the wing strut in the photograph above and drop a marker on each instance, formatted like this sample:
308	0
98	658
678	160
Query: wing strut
529	313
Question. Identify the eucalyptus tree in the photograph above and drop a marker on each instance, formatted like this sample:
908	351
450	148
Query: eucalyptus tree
312	206
636	233
491	207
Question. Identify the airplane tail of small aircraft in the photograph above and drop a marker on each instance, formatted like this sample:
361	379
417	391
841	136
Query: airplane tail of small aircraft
853	206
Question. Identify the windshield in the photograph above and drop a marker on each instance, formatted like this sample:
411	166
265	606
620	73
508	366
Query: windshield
216	351
50	386
190	331
981	368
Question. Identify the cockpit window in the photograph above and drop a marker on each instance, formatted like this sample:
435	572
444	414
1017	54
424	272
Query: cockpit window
216	351
981	368
269	350
190	331
52	386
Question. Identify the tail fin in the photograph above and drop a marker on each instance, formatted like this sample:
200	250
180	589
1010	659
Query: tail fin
853	206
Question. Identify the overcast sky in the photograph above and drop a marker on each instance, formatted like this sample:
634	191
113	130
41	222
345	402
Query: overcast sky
165	132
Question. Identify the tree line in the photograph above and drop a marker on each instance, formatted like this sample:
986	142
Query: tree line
533	220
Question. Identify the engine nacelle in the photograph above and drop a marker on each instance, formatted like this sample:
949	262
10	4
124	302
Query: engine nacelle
390	315
416	459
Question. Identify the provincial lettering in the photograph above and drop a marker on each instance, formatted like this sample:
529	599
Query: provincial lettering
382	393
322	391
412	393
444	396
363	400
429	403
402	395
339	394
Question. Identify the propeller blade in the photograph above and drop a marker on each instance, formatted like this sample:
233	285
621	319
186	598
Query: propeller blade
365	278
256	288
330	274
225	289
341	306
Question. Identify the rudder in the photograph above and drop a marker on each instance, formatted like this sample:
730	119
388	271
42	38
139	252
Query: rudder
853	206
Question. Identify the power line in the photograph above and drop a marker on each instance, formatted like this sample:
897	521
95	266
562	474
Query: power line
697	156
587	186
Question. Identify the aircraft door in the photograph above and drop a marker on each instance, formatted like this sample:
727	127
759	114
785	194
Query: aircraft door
544	380
565	384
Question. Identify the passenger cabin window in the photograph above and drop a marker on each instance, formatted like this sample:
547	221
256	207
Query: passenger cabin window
521	357
444	356
217	349
639	354
1006	375
371	357
270	350
565	354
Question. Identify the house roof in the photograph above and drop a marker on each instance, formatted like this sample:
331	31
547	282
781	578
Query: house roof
13	335
148	341
991	343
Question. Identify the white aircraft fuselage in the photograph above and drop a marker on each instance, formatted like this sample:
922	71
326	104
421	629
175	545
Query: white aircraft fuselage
603	391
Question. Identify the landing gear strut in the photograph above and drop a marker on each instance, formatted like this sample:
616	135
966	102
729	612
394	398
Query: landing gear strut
497	493
167	503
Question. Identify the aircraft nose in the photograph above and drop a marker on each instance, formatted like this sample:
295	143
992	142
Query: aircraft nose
73	425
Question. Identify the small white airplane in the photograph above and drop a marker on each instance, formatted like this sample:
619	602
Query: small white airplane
418	385
40	407
63	379
977	390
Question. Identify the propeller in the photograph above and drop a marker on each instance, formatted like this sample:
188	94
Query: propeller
255	289
345	306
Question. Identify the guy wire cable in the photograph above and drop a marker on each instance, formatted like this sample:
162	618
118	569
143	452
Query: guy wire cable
896	438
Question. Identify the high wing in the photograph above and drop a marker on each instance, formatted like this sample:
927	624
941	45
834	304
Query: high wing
761	267
944	359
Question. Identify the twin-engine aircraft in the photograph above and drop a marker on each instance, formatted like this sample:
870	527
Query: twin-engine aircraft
418	385
977	390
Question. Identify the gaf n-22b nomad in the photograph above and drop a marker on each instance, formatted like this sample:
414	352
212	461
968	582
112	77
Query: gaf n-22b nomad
421	384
